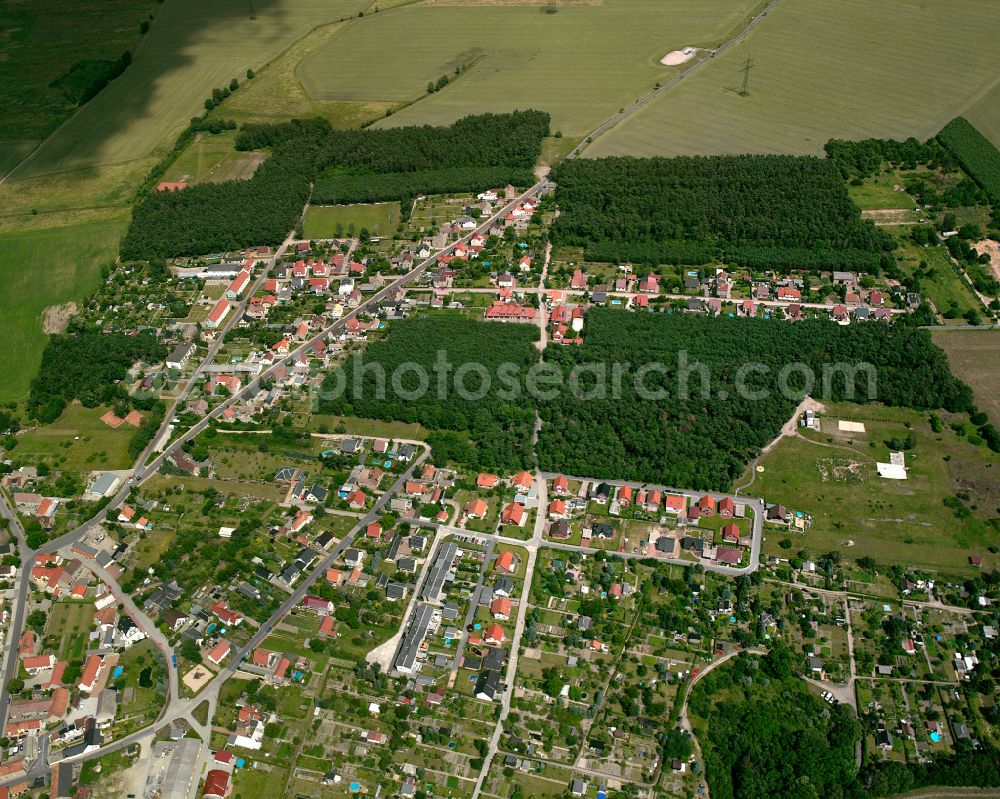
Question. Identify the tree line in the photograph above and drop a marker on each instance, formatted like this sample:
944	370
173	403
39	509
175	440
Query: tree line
348	166
706	439
977	154
755	210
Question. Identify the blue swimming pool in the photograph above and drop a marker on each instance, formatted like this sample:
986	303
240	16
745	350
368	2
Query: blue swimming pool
936	737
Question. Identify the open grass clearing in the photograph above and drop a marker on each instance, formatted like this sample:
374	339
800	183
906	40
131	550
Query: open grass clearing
212	159
515	57
974	356
78	441
190	49
40	268
856	512
323	221
939	282
824	70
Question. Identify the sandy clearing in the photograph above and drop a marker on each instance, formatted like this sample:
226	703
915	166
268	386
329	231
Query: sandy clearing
993	249
675	57
55	318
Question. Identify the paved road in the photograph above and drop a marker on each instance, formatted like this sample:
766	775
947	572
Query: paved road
515	644
470	613
20	606
820	306
144	470
757	505
210	691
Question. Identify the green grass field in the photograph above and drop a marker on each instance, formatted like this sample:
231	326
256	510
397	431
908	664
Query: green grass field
78	441
213	159
191	49
825	70
974	356
40	268
379	218
70	622
581	64
940	284
892	521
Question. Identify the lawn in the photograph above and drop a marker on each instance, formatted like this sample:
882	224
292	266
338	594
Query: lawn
190	49
514	56
974	356
70	622
826	70
38	269
324	221
892	521
78	441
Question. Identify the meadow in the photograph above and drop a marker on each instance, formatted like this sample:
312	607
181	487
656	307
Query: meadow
322	221
78	441
831	475
213	158
190	49
581	64
974	356
821	70
40	268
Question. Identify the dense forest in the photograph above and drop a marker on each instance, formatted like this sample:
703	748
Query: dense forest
89	367
765	734
866	157
760	211
706	440
347	166
335	187
768	736
488	431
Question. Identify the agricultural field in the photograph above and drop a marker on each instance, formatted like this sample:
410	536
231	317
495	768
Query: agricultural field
70	259
41	42
276	93
974	356
831	475
515	56
985	114
324	221
190	49
811	60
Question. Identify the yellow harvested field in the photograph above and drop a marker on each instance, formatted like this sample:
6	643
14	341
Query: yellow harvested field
822	70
